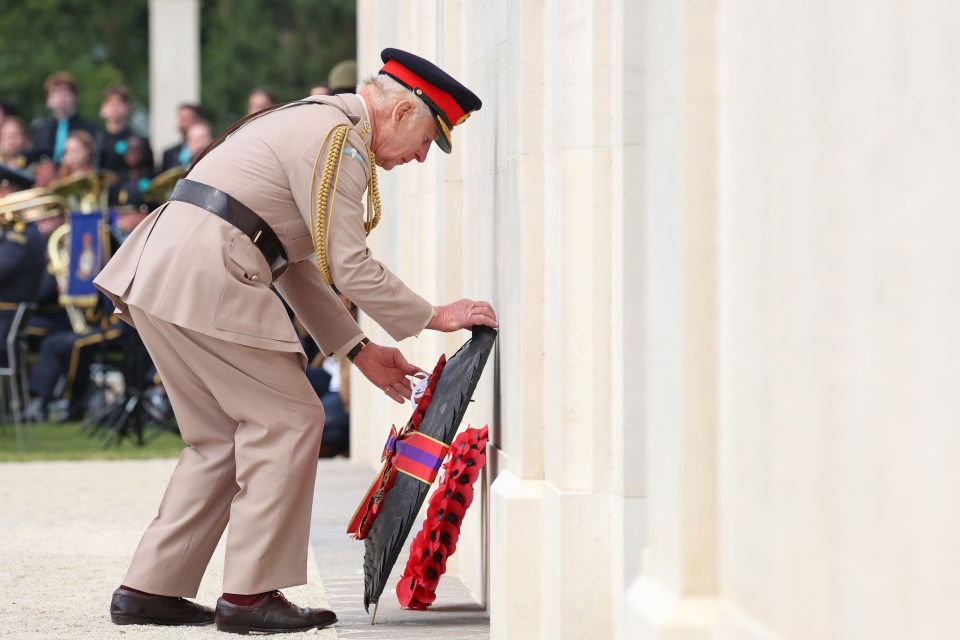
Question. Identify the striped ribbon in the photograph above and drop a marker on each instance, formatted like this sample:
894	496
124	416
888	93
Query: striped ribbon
409	452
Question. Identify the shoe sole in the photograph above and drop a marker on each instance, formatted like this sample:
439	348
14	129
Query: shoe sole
122	619
260	631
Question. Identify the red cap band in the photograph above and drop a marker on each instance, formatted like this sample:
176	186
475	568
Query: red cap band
451	110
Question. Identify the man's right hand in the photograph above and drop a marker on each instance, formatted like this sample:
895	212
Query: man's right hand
388	369
463	314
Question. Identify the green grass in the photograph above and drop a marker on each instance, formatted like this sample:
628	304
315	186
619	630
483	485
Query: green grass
68	442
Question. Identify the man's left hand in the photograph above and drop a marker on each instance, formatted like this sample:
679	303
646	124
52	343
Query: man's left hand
387	369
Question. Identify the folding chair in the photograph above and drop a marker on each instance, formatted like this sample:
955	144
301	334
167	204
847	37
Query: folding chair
14	372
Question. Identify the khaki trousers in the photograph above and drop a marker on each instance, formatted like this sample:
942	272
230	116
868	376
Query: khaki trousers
253	423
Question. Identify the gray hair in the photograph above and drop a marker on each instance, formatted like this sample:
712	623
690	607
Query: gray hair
386	92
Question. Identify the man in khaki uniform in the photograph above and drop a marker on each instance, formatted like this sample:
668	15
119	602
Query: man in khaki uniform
194	279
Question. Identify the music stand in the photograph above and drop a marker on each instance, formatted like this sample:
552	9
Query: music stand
132	412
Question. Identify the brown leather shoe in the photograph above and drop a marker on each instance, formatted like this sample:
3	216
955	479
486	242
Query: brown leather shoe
130	607
272	614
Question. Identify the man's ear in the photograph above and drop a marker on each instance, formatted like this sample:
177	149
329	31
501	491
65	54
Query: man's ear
400	110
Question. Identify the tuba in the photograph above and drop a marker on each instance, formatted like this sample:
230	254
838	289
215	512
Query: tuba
83	193
58	249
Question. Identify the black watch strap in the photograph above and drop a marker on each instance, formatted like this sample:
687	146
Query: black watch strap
357	348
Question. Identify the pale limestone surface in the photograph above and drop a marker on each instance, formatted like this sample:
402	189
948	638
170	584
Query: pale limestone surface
174	66
720	238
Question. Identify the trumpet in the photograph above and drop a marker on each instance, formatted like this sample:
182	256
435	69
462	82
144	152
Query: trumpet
31	205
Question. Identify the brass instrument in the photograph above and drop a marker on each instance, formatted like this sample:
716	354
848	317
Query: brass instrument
58	249
31	205
86	191
162	186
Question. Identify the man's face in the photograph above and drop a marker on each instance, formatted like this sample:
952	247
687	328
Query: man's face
186	118
61	101
115	109
198	137
402	143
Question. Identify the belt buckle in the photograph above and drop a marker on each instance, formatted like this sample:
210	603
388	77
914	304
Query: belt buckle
279	266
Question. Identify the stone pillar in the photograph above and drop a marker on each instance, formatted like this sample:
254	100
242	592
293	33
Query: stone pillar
539	211
674	598
174	66
627	278
577	247
839	320
516	515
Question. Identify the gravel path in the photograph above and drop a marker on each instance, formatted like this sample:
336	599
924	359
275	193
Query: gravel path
67	532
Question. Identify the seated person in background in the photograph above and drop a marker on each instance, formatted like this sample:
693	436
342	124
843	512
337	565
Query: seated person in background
199	136
14	140
330	380
336	408
112	142
51	336
21	266
49	316
127	193
178	155
13	180
77	155
60	379
259	99
336	399
50	136
16	151
22	259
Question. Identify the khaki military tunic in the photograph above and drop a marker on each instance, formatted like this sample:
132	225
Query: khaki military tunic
197	289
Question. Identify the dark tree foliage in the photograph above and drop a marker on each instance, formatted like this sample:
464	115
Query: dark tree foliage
286	47
100	43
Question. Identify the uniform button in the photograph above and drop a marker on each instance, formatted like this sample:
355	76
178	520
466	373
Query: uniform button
254	277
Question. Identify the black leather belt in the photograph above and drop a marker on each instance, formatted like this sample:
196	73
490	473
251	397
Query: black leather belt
225	206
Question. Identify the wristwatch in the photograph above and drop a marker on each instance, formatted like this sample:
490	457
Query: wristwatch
357	348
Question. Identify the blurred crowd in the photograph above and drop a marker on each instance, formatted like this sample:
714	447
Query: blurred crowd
67	359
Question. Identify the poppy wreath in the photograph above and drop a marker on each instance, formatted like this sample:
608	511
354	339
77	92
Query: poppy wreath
437	540
405	451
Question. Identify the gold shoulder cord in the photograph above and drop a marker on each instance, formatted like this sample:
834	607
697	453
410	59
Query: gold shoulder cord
328	184
373	195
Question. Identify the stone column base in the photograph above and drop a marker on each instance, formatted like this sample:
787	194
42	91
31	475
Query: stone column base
656	612
515	556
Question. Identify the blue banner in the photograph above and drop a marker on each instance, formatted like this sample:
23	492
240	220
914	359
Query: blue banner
86	258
